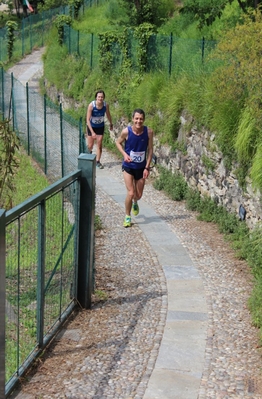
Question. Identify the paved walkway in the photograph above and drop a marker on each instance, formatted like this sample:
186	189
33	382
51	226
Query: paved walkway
179	366
177	322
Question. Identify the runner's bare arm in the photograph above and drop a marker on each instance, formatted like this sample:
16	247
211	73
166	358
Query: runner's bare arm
119	143
88	118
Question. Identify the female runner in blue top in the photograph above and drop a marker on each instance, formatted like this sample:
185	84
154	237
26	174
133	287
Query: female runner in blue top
137	153
96	125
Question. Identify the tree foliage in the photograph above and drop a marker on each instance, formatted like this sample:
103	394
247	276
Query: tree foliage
206	11
154	12
75	6
48	4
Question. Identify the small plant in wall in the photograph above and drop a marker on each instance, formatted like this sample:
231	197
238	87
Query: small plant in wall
208	163
11	26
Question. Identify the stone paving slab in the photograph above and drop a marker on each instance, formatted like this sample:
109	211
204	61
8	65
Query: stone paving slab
166	384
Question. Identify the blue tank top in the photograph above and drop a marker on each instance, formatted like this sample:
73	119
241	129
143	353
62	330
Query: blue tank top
97	117
136	148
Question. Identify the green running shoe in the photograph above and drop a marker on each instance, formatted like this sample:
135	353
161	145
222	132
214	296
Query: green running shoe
135	208
127	221
99	165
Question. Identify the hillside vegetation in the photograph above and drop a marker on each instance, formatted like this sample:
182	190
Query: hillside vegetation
223	94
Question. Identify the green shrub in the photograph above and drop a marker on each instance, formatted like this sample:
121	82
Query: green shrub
193	199
208	163
255	304
98	223
172	183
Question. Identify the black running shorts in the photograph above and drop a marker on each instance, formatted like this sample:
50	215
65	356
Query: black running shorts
98	130
137	173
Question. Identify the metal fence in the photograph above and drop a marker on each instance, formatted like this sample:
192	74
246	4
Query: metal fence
167	54
35	28
48	134
47	253
41	279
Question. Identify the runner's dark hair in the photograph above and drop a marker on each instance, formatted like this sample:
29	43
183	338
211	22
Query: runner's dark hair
100	91
139	111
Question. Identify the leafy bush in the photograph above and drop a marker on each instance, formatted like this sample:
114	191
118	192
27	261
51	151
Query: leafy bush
172	183
98	223
151	11
255	304
193	199
11	26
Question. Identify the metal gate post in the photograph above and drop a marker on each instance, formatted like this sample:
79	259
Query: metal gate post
87	163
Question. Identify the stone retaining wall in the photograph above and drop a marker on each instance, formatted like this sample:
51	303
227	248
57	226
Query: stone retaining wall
203	167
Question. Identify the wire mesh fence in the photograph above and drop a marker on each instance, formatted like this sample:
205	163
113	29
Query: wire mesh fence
53	138
168	54
35	28
41	272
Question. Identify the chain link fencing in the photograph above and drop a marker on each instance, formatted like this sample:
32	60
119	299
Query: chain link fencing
48	134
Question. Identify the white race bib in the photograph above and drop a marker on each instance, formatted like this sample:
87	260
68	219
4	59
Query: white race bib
97	119
137	156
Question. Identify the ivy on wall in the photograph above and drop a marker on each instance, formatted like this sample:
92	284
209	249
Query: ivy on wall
11	26
143	34
60	22
108	40
106	43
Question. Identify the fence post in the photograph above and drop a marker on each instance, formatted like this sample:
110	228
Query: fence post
23	37
80	136
170	53
41	274
2	303
69	39
43	30
61	140
3	90
91	52
86	162
11	105
27	119
203	49
78	36
45	139
31	41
